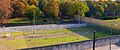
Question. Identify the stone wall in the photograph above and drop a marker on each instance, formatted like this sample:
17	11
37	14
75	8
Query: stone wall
41	27
82	45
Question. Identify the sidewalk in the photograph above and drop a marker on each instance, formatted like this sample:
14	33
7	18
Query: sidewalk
114	47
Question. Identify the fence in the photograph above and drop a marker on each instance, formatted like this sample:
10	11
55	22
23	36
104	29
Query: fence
83	45
42	27
113	24
101	23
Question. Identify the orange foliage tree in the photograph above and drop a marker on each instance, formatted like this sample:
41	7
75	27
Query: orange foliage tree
19	8
5	10
52	9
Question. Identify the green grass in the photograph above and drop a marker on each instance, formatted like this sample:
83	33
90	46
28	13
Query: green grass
13	34
51	31
35	42
115	24
112	20
14	44
25	20
99	35
57	40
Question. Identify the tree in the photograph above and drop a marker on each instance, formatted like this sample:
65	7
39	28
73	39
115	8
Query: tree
52	9
70	8
80	8
42	4
99	10
113	7
67	8
33	2
33	10
19	8
5	10
96	9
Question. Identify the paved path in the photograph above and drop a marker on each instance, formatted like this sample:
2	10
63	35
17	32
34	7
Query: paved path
114	47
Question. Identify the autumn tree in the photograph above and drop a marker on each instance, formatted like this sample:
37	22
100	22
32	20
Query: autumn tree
33	2
5	10
19	8
52	9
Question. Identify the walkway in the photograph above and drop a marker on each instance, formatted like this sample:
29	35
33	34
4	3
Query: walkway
114	47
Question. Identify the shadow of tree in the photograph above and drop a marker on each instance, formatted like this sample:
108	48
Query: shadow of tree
88	31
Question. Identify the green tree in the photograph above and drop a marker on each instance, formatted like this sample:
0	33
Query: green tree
80	8
33	2
113	7
71	8
33	12
96	9
42	4
99	10
67	8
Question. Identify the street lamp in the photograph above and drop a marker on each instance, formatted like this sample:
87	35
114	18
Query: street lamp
33	21
114	24
94	40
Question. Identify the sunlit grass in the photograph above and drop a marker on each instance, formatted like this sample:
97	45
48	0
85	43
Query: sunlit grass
71	36
14	44
58	40
113	20
35	42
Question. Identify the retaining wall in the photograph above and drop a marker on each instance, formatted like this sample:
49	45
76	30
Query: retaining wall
82	45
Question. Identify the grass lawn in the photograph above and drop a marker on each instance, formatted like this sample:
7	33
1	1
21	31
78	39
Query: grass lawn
50	37
112	20
34	42
115	25
27	21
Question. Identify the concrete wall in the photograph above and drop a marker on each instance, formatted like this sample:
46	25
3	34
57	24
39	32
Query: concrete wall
82	45
41	27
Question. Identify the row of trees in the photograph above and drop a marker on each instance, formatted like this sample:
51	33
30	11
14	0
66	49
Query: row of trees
51	9
104	10
57	9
